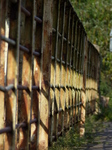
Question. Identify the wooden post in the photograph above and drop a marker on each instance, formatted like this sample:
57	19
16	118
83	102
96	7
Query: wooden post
2	77
83	93
45	75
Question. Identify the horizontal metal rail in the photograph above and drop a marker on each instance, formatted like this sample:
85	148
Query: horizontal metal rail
27	13
21	47
7	88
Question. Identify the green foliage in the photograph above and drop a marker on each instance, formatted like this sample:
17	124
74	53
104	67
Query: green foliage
71	140
97	20
105	86
105	113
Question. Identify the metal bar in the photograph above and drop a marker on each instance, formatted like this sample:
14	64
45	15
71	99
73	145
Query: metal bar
59	34
33	121
10	41
6	130
21	125
35	87
63	62
60	110
65	39
38	19
52	57
2	89
21	87
58	60
36	53
24	49
24	10
54	30
9	87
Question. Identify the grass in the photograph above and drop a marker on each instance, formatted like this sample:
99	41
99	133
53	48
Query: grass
71	140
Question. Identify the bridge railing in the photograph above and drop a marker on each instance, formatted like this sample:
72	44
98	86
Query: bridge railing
49	72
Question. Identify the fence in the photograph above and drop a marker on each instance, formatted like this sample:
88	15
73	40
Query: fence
49	72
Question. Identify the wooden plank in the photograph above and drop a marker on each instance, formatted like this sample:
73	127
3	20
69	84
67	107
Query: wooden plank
12	76
45	75
25	76
83	92
80	71
55	13
35	63
36	75
62	69
71	68
2	64
76	66
66	49
56	68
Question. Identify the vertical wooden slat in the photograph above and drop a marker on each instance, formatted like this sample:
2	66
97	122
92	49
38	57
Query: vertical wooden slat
67	71
34	82
83	91
74	66
45	75
26	80
36	75
78	70
77	77
12	76
55	14
62	71
71	68
80	76
2	77
56	68
73	72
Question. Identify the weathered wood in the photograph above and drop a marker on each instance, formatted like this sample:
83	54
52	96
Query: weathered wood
50	79
45	75
2	77
26	80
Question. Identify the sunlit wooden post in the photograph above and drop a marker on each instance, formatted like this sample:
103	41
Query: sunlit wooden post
45	75
83	92
2	47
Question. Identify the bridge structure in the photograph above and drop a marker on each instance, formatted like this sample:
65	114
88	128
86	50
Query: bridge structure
49	73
